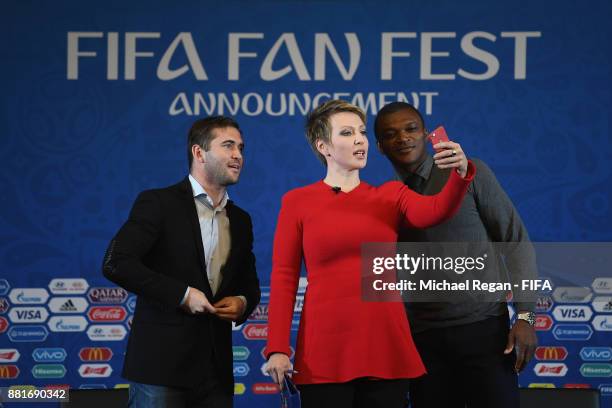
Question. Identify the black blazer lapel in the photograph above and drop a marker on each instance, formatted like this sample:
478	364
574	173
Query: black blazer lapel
192	213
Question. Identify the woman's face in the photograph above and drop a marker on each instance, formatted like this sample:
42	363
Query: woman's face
349	142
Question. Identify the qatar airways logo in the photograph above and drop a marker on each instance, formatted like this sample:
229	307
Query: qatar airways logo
266	54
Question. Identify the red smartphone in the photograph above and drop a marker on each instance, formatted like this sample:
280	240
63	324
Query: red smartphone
437	136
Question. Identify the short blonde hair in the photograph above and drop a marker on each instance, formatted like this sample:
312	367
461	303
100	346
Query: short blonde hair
318	126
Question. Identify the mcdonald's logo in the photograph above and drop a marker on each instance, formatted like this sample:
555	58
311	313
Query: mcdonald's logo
9	371
551	353
95	354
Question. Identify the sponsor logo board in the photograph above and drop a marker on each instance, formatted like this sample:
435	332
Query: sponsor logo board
241	369
255	331
264	388
49	355
68	304
551	353
48	371
544	304
28	333
602	286
9	355
68	286
240	353
596	370
239	388
602	323
566	313
28	296
67	323
550	369
107	313
9	371
572	294
602	304
543	322
4	287
28	315
95	354
106	332
596	353
4	305
578	332
107	295
95	370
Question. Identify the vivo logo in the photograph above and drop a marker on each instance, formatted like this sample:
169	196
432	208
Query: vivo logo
596	353
49	355
241	369
572	313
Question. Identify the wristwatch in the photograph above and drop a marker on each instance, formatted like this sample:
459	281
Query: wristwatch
529	317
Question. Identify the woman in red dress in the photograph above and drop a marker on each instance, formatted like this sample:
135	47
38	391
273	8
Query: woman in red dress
349	353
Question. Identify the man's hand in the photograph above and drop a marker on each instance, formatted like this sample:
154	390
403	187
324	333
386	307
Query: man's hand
197	302
523	337
450	156
230	308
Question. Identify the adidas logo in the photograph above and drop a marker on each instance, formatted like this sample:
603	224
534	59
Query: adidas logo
68	306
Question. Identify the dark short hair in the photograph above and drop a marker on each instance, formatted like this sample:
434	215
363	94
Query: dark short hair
201	132
318	126
388	109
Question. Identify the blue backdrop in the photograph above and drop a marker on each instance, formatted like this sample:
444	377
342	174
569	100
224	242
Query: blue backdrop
97	99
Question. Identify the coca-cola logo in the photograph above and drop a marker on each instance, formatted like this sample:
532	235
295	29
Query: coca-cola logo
107	314
255	331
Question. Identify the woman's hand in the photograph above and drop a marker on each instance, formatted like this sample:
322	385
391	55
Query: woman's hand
279	364
451	156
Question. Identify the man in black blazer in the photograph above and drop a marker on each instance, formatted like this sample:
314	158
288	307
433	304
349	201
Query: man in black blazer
186	251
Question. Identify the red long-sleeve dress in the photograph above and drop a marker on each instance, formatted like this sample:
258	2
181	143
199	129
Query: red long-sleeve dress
342	337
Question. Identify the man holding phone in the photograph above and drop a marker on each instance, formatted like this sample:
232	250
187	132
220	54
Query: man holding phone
471	354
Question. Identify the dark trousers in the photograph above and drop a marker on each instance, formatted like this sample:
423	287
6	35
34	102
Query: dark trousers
358	393
466	366
208	394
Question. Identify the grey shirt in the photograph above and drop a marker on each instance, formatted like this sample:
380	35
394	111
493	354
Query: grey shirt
486	215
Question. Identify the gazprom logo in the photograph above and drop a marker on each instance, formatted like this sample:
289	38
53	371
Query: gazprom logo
602	323
49	355
596	353
28	296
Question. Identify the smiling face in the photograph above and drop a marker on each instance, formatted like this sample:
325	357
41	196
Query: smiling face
223	161
402	138
348	149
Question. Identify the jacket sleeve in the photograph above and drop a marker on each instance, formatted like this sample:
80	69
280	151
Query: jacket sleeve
286	265
503	224
248	285
123	260
421	211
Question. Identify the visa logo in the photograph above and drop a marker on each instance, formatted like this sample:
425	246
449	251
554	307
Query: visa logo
596	353
49	355
28	314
